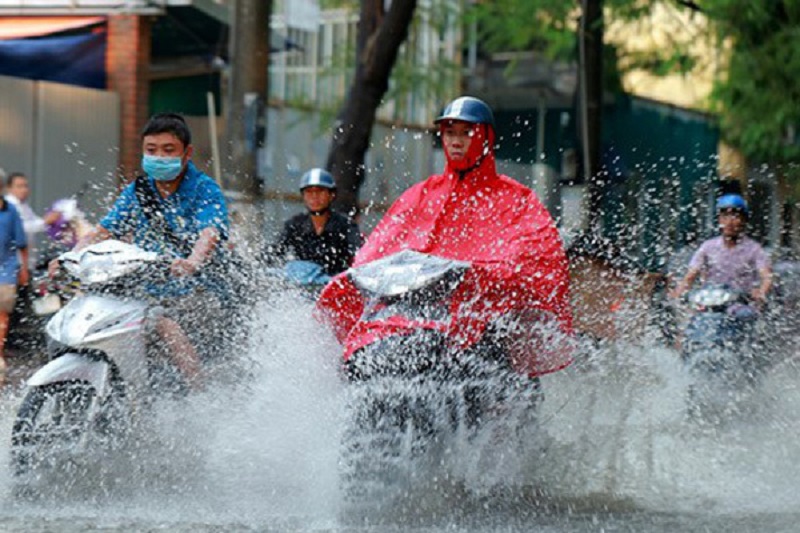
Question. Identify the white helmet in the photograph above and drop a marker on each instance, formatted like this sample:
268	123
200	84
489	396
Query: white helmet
317	177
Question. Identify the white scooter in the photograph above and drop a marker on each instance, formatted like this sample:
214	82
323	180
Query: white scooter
90	391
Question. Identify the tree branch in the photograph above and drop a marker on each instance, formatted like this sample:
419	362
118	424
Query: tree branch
691	5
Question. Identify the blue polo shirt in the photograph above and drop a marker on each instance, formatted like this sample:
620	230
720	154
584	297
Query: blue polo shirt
196	205
12	238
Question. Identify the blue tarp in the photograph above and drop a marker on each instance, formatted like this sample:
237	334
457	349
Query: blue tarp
71	59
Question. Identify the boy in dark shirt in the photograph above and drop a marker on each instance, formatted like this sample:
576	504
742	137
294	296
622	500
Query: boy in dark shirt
320	236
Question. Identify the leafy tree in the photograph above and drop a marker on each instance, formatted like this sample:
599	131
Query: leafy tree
755	90
552	26
756	97
753	93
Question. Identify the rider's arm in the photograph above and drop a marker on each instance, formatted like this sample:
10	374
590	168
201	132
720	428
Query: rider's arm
205	245
765	275
51	217
202	250
763	266
98	234
21	242
696	265
118	222
684	284
211	218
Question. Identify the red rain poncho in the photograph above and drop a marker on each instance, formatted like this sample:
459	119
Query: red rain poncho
490	220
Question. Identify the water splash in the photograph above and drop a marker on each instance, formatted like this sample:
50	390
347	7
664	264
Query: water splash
264	452
620	430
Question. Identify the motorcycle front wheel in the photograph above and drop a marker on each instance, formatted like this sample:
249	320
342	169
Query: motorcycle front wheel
52	420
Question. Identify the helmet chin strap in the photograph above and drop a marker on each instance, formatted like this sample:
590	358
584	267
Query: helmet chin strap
476	164
320	212
485	149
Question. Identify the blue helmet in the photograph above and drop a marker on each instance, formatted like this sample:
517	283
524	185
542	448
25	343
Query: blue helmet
735	202
317	177
467	109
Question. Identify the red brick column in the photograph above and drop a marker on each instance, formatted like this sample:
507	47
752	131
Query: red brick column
128	70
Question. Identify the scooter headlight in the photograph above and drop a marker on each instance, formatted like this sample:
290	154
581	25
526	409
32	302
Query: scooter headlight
712	297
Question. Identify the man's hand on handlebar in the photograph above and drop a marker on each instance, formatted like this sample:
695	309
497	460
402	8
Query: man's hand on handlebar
53	267
184	267
678	292
758	295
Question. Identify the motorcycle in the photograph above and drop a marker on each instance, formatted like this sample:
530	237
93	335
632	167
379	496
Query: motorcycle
719	350
416	391
100	374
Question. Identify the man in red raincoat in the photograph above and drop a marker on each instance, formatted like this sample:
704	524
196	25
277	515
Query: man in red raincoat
519	272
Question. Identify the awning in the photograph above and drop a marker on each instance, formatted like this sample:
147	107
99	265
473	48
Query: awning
24	27
75	8
73	53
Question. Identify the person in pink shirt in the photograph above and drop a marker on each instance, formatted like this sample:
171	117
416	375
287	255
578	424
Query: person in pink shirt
732	259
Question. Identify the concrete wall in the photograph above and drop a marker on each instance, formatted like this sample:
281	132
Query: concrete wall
64	138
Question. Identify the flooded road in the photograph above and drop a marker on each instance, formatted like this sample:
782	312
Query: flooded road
262	454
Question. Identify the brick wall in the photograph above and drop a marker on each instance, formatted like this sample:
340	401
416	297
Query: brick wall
128	68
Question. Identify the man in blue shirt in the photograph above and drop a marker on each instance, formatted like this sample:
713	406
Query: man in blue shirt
13	268
179	212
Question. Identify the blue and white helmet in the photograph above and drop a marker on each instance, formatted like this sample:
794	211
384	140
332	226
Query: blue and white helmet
734	202
317	177
467	109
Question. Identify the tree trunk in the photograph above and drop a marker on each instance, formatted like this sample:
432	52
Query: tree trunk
248	85
591	64
380	35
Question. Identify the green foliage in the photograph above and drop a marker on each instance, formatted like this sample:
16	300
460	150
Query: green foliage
413	84
550	26
757	98
756	92
336	4
661	62
520	25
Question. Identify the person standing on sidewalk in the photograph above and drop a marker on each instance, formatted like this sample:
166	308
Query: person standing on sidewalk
18	191
319	237
13	268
